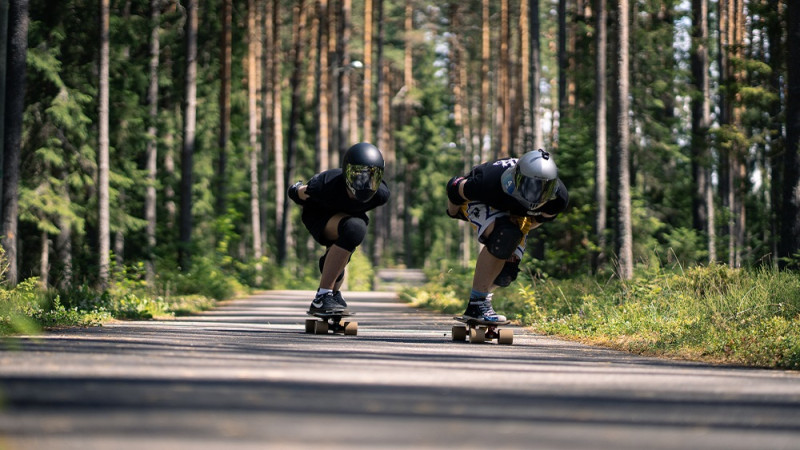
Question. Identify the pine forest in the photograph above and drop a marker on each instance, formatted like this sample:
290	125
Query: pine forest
158	137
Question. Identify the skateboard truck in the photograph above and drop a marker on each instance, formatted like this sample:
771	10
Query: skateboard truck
479	331
331	322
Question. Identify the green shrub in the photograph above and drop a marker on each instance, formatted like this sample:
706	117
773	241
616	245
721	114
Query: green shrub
712	313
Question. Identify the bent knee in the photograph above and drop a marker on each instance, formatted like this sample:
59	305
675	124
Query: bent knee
504	238
352	231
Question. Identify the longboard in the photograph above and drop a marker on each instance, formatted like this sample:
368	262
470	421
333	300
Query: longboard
332	322
479	331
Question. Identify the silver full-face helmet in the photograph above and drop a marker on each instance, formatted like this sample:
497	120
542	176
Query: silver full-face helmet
533	181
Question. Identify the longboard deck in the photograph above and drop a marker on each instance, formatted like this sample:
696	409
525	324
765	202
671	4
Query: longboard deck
471	321
330	315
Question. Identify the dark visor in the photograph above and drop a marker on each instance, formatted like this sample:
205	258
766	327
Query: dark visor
361	177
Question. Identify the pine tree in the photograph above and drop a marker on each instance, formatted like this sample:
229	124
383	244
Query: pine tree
12	138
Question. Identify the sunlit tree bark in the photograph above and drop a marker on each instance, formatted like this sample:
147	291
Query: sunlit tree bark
601	129
252	93
625	250
103	225
152	141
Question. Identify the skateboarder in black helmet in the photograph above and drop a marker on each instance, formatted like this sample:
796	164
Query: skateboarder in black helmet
504	200
335	203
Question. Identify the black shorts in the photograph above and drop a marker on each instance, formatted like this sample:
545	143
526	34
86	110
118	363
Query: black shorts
315	221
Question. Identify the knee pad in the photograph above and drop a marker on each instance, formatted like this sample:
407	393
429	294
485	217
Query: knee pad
508	274
504	239
352	231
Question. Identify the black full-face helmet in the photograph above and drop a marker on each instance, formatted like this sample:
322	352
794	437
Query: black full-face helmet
533	181
363	166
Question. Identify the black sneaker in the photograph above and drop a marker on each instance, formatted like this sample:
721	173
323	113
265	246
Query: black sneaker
481	309
325	304
337	295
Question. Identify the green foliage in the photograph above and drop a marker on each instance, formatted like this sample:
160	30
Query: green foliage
713	313
447	291
360	272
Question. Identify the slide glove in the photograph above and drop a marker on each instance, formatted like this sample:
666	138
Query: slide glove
458	215
294	195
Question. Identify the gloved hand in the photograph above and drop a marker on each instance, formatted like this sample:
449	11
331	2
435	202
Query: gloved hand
458	215
294	195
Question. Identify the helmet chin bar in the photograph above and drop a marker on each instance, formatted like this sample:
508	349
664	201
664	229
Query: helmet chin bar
362	195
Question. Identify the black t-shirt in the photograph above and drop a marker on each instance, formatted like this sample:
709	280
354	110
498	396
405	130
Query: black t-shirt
327	192
483	185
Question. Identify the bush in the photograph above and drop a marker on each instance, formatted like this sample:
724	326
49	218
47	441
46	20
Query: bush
712	313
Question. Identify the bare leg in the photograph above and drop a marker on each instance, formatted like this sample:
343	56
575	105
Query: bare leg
337	258
486	270
335	263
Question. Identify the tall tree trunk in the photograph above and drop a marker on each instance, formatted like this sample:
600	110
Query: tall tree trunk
485	115
64	246
535	73
503	147
526	127
298	32
625	250
333	70
311	74
601	128
790	229
381	240
15	106
741	173
169	174
103	225
457	72
152	143
563	63
252	101
731	159
267	111
226	52
3	60
368	65
777	141
44	261
398	233
322	88
277	104
189	129
343	31
702	210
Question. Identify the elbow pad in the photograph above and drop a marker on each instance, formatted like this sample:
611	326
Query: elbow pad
294	195
452	191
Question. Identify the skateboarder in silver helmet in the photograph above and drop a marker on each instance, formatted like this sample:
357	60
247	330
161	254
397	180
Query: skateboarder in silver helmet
504	200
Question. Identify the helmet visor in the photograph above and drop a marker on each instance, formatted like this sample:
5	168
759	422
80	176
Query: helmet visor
363	181
533	192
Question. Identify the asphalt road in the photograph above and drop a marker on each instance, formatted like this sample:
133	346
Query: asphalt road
246	375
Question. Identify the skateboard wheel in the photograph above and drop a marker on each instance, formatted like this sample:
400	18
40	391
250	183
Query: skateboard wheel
459	333
506	337
310	325
351	328
477	335
320	327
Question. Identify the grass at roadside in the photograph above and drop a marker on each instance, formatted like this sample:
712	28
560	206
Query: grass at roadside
714	314
28	308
